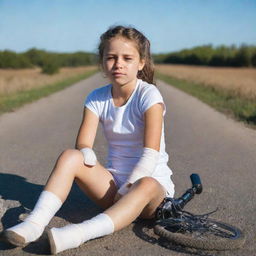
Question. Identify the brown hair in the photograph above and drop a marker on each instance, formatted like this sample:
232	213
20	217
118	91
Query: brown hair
143	46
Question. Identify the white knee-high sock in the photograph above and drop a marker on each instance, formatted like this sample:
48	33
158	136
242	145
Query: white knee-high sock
33	226
73	235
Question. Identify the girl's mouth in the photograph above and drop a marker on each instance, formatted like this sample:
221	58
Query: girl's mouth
117	74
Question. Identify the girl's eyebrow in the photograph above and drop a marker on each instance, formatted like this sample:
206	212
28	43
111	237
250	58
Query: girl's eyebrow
125	54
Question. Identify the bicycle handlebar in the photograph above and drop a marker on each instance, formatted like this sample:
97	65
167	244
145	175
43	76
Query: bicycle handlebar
171	207
196	182
197	188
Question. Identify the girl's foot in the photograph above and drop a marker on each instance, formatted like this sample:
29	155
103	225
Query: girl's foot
22	234
13	238
33	226
64	238
73	235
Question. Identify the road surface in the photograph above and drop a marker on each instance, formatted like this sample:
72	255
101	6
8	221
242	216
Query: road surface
198	139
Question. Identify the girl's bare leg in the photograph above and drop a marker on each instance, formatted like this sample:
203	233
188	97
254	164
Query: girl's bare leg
142	200
96	181
98	184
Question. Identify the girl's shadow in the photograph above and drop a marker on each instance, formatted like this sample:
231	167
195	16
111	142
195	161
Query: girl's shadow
76	208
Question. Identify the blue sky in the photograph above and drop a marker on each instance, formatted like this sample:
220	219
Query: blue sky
74	25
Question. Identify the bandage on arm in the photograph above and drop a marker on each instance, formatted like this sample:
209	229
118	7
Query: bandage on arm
89	156
145	167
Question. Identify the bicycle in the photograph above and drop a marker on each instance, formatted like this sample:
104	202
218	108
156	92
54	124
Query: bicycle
195	231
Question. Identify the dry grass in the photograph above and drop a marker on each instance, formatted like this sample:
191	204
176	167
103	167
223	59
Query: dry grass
12	80
240	81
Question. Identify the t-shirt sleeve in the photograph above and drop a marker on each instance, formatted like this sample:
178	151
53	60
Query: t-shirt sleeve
93	103
150	97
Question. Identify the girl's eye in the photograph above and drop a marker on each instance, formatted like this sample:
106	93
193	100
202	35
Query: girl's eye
128	58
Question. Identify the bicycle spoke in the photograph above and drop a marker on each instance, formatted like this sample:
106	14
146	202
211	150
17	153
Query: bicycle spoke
220	232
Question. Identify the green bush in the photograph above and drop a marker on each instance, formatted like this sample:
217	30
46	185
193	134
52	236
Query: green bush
50	67
36	57
10	59
243	57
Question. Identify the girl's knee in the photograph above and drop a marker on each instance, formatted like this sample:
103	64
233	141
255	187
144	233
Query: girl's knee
71	156
155	192
148	184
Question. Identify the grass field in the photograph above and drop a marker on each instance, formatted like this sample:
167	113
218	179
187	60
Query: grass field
229	90
16	80
238	81
18	87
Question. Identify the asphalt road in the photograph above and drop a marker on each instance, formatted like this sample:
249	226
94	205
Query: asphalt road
198	139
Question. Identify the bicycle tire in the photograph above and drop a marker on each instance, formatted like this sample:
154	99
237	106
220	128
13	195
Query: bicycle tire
205	241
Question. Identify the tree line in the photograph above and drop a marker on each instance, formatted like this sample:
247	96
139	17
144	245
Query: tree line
49	62
221	56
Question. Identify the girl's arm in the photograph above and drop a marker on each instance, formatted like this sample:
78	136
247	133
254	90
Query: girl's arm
153	119
88	130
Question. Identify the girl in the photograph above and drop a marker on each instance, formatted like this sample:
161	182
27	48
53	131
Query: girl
137	177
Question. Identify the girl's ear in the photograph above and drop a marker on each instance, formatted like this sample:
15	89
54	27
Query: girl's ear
142	64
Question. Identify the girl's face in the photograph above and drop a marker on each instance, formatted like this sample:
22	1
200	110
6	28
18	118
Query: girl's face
121	61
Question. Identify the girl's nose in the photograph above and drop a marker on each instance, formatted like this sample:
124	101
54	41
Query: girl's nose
118	63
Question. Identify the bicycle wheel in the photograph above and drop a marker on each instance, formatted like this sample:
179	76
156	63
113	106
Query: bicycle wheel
213	235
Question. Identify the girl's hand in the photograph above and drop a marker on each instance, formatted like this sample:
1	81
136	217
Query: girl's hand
89	156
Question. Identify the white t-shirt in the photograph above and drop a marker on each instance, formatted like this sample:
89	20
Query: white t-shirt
124	126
